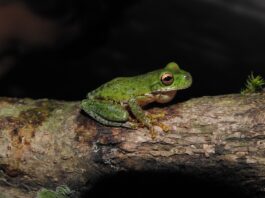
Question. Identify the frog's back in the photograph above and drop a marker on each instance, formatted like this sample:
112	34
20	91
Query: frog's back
121	89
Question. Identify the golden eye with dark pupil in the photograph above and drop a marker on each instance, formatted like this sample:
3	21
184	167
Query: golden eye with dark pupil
167	79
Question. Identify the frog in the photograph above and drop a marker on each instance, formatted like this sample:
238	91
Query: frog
120	102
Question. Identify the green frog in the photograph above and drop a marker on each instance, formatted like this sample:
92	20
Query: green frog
118	101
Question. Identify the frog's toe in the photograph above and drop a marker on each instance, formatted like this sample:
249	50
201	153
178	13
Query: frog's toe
164	127
130	125
153	133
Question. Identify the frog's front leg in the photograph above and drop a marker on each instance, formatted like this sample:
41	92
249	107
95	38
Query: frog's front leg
106	112
140	116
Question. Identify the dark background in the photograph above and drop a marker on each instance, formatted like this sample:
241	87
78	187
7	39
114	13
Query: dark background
62	49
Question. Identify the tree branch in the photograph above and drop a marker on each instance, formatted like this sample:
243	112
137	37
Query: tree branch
47	143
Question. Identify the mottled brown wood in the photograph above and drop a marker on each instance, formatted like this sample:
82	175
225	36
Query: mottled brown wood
46	143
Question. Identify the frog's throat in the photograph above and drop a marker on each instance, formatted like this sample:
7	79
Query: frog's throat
164	97
160	97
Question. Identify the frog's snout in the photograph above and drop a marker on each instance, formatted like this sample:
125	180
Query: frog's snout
188	79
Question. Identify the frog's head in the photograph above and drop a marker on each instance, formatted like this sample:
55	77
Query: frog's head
171	79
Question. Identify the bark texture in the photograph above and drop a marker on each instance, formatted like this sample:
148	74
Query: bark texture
47	143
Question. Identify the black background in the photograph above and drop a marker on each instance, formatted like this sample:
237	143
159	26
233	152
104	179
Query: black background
219	42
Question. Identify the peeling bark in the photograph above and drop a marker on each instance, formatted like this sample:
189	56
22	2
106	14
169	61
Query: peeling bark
47	143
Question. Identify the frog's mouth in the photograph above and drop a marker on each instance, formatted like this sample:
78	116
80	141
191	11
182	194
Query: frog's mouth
170	89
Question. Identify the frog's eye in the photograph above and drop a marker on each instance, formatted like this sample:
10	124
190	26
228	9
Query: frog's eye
167	78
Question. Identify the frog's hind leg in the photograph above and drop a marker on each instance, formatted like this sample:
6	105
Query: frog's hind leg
106	113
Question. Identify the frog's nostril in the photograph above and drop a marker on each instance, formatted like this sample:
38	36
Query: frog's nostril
186	77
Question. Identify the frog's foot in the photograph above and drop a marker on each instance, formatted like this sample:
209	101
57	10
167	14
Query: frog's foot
154	121
133	125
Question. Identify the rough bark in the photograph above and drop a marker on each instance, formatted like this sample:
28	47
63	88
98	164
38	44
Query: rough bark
47	143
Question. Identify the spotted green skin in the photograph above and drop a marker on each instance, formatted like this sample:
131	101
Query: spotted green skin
109	104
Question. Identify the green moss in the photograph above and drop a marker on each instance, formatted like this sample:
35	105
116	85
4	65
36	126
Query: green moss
60	192
253	84
44	193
